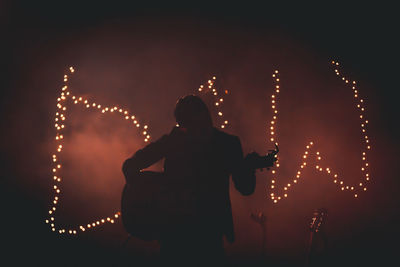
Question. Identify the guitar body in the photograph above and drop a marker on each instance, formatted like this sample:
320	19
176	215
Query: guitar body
152	204
137	206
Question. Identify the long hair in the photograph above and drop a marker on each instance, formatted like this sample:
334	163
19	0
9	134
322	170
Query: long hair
191	106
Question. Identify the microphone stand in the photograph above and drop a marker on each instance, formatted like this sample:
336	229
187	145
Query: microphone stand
260	218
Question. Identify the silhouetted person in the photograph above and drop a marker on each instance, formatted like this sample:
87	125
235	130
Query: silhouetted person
199	159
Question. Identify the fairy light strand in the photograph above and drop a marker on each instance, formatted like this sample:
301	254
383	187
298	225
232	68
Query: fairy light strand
218	100
309	151
66	97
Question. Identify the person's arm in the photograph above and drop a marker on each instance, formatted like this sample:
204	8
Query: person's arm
152	153
145	157
243	175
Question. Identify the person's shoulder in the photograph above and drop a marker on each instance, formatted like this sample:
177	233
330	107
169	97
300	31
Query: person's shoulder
226	136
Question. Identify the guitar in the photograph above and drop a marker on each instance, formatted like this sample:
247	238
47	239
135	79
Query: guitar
316	230
151	203
318	220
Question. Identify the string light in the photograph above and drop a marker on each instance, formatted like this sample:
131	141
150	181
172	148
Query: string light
63	100
218	100
275	196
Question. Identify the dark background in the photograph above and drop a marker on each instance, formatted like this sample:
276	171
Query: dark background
171	48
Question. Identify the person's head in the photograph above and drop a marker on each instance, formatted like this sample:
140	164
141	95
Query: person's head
192	113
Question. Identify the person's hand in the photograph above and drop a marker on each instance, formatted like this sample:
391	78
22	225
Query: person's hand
255	161
252	156
251	159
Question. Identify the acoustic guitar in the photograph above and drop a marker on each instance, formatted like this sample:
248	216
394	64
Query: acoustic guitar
151	203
